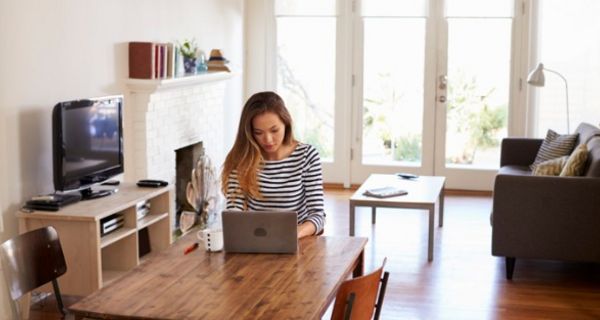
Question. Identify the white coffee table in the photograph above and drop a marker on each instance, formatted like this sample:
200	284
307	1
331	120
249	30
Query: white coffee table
425	192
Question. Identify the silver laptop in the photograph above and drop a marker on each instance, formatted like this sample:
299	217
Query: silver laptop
260	231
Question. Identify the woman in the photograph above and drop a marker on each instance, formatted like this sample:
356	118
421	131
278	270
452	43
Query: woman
267	169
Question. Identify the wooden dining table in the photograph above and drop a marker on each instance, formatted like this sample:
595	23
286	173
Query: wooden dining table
219	285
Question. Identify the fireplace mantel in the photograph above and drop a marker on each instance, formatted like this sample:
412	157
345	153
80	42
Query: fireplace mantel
153	85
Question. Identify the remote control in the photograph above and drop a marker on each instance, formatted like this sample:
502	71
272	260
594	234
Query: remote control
408	176
150	182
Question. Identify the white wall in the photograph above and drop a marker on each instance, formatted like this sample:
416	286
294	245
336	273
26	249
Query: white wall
56	50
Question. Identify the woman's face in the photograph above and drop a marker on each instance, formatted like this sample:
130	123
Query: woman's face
268	130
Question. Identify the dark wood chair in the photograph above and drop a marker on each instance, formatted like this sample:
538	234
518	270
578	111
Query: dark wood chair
358	298
31	260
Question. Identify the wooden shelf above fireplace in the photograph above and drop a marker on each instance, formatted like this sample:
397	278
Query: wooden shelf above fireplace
151	85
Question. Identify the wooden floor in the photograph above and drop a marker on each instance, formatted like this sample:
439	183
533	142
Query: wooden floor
464	281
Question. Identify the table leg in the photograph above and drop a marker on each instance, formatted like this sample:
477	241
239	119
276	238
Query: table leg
373	214
441	207
352	209
430	242
359	268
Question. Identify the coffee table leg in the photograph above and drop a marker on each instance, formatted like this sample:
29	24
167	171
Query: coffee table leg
441	207
352	208
373	215
430	242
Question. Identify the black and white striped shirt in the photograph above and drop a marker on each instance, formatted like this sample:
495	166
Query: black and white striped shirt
291	184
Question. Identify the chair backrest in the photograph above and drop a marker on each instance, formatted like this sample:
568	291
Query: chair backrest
358	298
31	260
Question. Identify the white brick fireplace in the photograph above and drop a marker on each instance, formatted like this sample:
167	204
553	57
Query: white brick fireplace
165	115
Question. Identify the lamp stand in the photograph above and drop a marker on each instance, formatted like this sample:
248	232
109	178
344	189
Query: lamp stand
567	95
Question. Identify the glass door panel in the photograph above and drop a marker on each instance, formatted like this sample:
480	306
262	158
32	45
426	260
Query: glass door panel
395	69
306	78
396	8
478	91
305	7
473	91
478	8
393	75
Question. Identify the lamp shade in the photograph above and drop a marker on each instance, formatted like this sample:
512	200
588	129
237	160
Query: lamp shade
536	77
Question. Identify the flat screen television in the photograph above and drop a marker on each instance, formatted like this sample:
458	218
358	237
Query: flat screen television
87	143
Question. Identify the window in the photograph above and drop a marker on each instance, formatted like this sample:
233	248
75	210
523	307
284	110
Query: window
305	55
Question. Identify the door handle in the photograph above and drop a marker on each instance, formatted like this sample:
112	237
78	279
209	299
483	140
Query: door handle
442	99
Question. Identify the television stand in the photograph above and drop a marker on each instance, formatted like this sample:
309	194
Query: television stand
89	194
95	260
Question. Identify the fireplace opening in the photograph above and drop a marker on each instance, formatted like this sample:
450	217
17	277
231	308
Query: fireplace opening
187	203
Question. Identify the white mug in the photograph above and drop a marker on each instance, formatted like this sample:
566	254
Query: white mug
212	238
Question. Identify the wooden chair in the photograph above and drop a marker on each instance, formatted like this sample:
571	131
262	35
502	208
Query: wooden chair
358	298
31	260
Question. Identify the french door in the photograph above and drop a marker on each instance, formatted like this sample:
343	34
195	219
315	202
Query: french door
433	89
420	86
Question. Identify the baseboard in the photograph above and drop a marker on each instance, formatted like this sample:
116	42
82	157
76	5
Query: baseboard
451	192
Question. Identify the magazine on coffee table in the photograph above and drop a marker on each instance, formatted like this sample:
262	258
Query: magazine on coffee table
385	192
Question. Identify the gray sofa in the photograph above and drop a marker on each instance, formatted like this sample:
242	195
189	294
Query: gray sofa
546	217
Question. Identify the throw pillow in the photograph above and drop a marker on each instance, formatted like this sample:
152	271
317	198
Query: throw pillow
552	167
576	162
555	145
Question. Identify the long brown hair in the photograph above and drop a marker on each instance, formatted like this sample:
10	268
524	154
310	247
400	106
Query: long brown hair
245	156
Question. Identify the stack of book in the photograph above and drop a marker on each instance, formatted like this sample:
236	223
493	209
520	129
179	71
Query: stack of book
153	60
217	62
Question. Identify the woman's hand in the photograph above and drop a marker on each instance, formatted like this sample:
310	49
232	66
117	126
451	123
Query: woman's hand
306	229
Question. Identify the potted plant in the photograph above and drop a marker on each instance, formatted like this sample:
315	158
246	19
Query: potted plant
189	50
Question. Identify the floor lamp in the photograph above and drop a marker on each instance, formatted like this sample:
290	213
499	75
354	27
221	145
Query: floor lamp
536	78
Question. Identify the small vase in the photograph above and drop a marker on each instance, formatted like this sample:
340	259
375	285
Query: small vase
189	65
201	65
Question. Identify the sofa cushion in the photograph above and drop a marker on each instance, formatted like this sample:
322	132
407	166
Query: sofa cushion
515	170
554	146
592	167
552	167
590	135
576	163
586	132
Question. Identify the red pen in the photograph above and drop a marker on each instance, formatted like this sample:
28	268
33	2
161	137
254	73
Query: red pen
190	248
